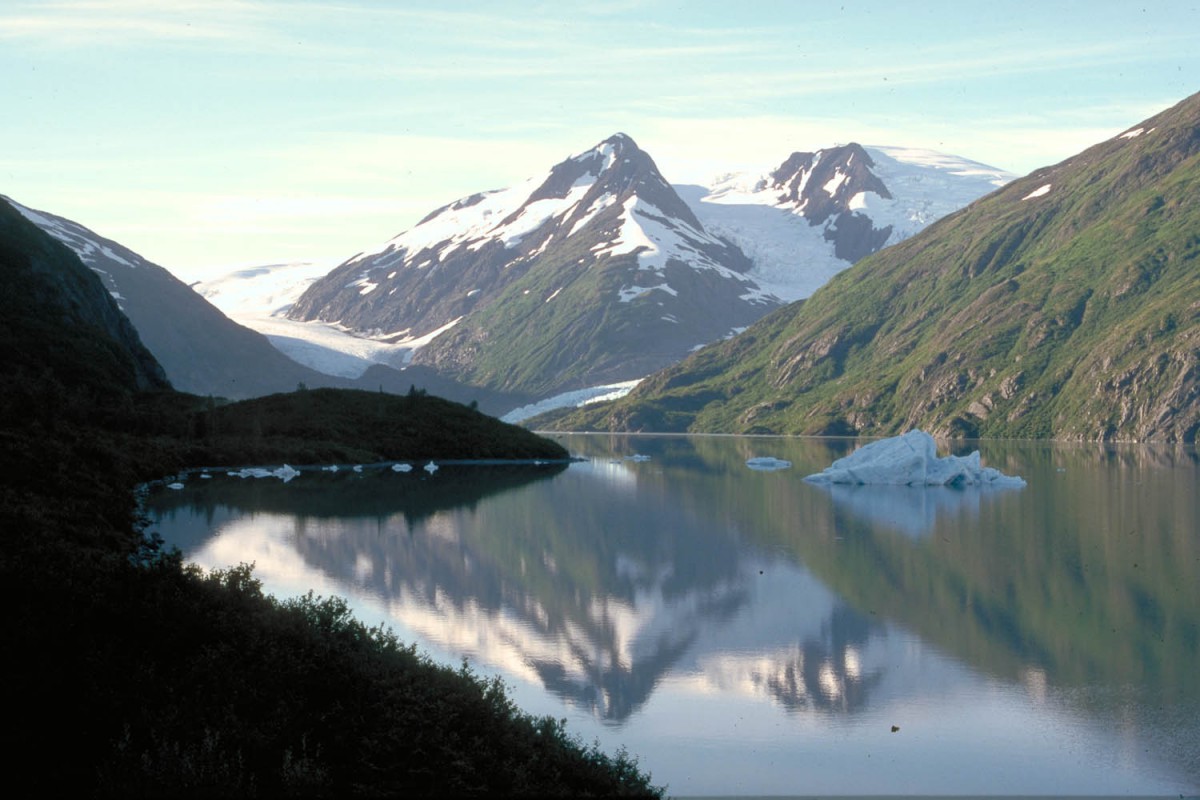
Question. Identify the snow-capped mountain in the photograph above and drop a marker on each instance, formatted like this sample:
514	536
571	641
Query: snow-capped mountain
818	212
594	272
600	271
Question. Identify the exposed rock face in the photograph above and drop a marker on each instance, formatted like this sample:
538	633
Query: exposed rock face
827	186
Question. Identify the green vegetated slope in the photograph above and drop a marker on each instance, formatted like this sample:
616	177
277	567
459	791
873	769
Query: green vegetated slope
1066	304
144	677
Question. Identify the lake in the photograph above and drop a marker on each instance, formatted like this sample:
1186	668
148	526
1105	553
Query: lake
746	633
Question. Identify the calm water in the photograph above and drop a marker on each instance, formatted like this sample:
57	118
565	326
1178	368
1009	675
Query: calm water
744	632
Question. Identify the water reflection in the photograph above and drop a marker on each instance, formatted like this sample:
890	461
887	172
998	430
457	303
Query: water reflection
618	580
912	510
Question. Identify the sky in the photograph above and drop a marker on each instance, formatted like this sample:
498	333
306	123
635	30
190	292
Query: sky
224	133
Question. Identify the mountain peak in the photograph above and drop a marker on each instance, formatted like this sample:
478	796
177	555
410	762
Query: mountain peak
825	182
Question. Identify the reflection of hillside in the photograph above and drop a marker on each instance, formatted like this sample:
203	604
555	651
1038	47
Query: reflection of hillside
1089	576
374	493
597	600
1091	572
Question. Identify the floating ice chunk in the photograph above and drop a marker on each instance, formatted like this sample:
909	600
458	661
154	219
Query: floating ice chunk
176	485
252	472
431	467
911	460
358	467
767	463
401	467
284	473
205	476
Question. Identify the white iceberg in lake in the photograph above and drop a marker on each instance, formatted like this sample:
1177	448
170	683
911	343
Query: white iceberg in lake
401	467
431	467
767	463
911	460
176	485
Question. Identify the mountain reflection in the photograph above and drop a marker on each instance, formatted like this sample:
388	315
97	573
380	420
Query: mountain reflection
615	582
824	673
596	600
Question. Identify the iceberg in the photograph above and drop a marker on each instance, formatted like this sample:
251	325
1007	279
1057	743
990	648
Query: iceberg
911	460
401	467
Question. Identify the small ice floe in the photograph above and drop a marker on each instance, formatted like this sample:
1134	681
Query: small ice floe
358	467
431	467
401	467
176	485
767	463
330	468
284	473
205	476
911	460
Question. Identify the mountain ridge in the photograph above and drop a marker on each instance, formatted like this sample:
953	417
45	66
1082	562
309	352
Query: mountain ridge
204	352
599	247
1061	305
648	271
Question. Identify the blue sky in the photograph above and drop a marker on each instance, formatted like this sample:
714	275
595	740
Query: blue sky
212	134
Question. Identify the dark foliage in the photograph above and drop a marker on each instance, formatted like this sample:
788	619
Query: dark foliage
135	675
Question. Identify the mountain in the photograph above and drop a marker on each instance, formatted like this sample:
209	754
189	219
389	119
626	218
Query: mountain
600	271
204	352
58	325
1066	304
595	272
818	212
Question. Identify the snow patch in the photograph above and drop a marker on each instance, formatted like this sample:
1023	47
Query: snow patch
833	184
573	399
1041	191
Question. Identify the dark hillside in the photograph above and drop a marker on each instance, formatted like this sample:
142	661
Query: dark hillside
133	675
50	297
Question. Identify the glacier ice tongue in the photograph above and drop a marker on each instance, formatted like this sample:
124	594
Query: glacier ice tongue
911	460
